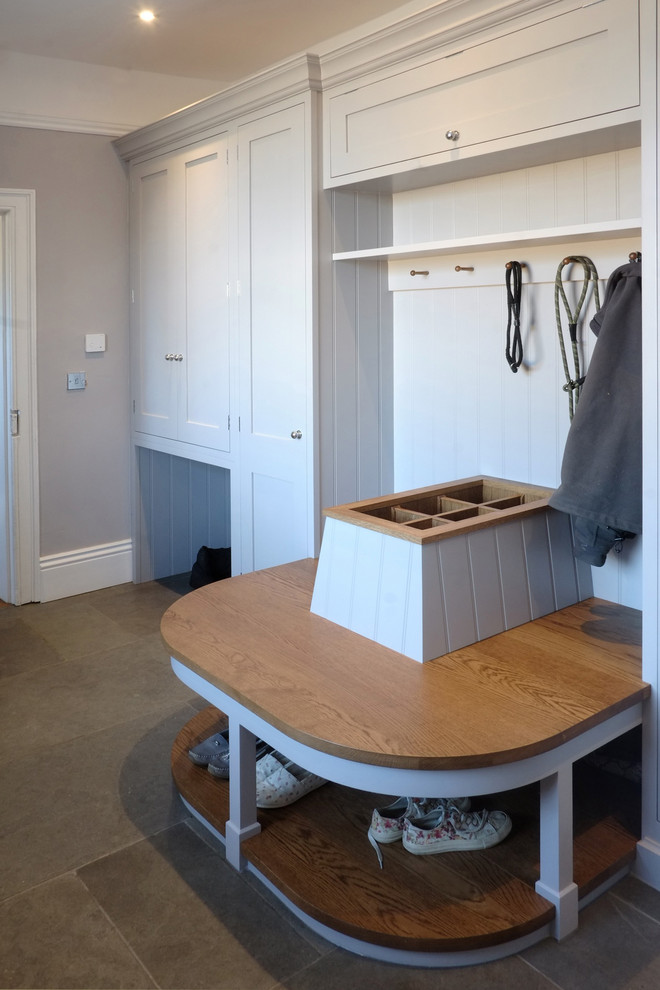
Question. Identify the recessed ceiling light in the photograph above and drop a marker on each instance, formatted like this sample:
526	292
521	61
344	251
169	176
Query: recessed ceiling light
147	16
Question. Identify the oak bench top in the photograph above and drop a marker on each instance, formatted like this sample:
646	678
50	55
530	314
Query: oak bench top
518	694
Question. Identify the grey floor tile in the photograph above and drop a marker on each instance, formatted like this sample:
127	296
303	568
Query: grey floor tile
136	608
86	798
56	936
191	918
616	947
42	708
22	649
75	628
343	969
639	894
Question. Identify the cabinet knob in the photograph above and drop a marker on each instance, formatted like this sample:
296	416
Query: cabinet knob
296	434
178	357
452	135
169	357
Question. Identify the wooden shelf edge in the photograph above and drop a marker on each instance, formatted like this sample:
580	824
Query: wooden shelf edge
317	855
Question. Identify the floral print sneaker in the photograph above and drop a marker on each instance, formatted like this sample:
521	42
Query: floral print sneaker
448	829
388	823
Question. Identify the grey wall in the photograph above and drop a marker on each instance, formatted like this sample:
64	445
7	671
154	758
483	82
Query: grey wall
82	287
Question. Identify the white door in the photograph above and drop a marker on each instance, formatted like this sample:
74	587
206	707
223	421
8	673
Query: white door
275	340
19	500
203	372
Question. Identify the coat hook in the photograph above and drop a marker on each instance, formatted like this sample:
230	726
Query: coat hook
462	268
635	256
413	272
510	264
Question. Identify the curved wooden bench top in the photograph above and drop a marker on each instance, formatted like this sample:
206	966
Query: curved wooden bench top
513	696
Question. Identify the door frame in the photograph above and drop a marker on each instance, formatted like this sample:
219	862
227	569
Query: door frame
19	393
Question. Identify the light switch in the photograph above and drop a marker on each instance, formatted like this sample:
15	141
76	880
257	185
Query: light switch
94	342
75	380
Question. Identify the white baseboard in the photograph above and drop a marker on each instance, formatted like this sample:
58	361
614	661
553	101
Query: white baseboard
647	862
76	572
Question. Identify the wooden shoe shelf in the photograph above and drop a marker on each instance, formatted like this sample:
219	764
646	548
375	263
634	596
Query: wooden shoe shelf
507	721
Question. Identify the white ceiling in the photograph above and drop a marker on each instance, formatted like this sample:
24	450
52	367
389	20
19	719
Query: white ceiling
205	39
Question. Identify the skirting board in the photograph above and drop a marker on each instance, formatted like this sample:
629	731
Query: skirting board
76	572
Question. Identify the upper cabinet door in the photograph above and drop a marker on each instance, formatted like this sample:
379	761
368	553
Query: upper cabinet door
275	339
154	298
180	284
567	65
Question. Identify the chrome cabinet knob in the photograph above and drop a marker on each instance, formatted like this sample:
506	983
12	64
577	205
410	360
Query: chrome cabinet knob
452	135
169	357
178	357
296	434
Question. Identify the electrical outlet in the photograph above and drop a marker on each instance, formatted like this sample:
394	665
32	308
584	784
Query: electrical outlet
76	380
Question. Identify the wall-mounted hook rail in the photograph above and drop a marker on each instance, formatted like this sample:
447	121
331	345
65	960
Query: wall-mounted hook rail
413	272
463	268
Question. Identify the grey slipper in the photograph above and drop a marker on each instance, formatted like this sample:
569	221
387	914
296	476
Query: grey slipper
214	746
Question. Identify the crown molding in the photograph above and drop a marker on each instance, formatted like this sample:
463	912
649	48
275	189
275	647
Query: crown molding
72	124
441	25
285	80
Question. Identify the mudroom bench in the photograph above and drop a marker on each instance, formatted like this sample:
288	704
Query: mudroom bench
510	721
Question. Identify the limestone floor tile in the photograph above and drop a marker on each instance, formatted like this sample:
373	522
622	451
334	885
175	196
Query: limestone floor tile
78	697
22	649
640	895
90	796
136	608
75	628
616	947
57	936
191	918
344	969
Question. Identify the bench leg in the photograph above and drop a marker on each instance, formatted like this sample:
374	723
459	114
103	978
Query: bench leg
556	880
242	822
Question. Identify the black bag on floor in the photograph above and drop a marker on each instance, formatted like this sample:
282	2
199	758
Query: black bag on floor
211	565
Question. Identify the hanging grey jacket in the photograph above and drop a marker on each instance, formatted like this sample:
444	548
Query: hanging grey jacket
601	474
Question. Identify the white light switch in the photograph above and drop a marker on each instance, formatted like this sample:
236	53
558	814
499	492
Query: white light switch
94	342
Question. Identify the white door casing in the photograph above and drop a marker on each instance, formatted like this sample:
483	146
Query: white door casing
19	522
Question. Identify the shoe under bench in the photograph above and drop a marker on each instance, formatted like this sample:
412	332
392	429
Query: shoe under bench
508	721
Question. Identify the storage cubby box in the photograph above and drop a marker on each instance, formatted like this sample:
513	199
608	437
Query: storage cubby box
428	571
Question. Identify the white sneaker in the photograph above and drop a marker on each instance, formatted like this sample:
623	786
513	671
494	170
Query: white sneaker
449	830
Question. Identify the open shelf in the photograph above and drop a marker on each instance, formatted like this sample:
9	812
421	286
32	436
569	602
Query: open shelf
487	242
316	853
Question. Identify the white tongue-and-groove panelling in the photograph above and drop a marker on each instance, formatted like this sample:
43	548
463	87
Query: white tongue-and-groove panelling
458	408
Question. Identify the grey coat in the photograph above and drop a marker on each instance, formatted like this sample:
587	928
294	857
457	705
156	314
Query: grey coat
601	475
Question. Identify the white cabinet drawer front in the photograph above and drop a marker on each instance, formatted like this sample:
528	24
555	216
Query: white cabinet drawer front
569	67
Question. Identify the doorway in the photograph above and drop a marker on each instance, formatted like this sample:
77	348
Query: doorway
19	493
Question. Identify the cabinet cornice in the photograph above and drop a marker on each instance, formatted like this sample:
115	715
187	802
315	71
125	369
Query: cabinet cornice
445	25
294	77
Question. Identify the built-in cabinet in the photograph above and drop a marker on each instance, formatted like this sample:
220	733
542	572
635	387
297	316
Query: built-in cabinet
180	282
224	307
480	82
